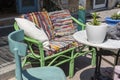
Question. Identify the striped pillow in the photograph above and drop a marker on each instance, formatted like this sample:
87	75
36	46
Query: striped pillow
41	19
62	22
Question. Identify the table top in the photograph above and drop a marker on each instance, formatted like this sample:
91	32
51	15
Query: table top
81	37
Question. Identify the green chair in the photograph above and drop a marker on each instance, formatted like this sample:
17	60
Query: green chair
18	49
58	58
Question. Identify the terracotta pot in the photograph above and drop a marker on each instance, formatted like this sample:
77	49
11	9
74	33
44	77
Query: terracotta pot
96	34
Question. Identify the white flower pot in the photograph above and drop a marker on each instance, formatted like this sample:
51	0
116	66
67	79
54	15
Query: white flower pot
96	34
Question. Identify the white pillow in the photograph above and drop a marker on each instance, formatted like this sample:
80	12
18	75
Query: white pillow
32	31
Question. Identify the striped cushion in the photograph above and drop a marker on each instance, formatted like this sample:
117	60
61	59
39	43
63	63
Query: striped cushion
61	44
41	19
62	22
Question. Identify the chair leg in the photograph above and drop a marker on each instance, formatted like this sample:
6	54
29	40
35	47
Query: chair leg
71	65
42	56
42	61
24	61
93	63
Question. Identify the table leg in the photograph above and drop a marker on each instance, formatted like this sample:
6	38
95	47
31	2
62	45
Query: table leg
97	74
98	63
97	68
117	57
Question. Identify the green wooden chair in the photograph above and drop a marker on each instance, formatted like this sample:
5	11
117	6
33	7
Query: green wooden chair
58	58
18	48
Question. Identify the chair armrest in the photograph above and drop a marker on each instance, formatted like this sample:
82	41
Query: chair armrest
32	40
16	27
79	23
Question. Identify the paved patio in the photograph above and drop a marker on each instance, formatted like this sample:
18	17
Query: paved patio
83	69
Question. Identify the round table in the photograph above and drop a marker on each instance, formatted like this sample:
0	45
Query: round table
81	37
108	44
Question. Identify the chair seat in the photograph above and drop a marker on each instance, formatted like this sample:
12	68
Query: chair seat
43	73
59	44
62	43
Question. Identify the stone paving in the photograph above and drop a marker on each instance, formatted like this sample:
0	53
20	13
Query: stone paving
83	69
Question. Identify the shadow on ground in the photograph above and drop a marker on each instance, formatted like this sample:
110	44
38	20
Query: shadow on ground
89	73
80	63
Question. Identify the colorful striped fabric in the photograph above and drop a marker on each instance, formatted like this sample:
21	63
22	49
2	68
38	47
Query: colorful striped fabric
41	19
62	22
58	28
61	44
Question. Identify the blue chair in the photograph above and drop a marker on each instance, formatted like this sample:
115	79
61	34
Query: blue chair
19	49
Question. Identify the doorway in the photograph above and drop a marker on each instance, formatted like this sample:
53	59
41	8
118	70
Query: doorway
25	6
7	6
99	4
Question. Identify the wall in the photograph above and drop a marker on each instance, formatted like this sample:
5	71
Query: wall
88	4
111	3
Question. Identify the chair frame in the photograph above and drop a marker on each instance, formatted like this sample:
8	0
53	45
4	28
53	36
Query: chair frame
18	48
63	54
17	53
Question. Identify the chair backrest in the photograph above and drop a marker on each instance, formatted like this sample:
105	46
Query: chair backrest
18	48
41	19
56	23
15	42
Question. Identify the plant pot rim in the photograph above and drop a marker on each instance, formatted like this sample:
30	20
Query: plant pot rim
96	25
112	20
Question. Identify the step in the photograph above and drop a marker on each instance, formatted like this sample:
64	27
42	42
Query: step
7	71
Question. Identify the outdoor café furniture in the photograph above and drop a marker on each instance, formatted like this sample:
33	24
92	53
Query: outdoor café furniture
108	44
63	47
19	49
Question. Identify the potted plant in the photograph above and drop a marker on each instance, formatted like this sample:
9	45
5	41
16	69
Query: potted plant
96	30
114	19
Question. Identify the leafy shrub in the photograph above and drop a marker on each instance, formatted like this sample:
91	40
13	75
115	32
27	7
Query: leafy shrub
115	16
